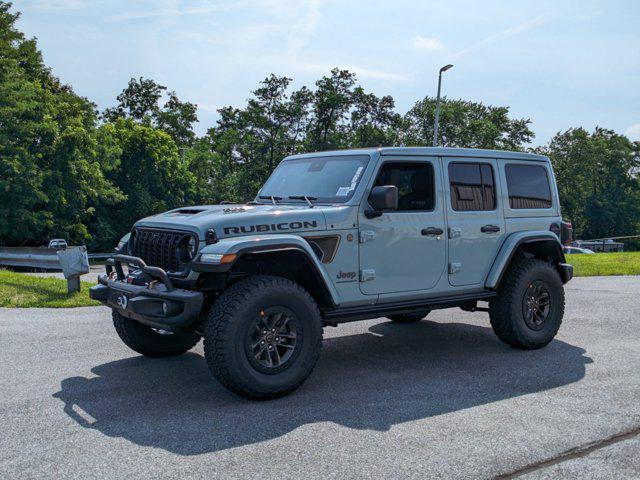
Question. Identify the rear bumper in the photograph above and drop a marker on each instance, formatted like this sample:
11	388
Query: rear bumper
156	304
566	271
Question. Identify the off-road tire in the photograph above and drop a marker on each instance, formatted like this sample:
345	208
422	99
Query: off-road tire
232	317
142	339
506	310
409	317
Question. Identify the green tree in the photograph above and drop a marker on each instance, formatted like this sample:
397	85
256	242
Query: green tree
140	101
597	181
214	181
374	123
51	167
149	170
465	124
253	140
332	101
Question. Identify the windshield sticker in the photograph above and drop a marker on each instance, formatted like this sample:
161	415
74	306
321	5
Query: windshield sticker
345	191
355	178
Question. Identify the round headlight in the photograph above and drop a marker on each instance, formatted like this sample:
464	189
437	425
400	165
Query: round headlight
124	245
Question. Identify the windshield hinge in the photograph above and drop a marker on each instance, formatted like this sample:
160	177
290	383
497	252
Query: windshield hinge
367	236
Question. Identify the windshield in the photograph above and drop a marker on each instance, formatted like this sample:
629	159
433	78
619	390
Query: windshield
323	179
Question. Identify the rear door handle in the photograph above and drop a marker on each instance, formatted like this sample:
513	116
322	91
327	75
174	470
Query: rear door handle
490	229
432	231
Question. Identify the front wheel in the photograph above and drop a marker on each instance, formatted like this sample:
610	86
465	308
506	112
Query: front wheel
263	337
528	310
152	342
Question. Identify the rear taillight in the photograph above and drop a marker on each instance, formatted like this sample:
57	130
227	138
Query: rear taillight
566	234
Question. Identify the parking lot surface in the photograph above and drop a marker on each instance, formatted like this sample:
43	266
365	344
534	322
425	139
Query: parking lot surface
443	398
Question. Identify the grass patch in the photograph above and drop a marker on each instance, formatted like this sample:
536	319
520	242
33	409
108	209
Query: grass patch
27	291
619	263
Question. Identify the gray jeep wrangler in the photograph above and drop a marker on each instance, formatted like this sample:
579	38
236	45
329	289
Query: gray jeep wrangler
339	236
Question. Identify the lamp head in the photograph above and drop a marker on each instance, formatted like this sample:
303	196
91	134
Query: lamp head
445	68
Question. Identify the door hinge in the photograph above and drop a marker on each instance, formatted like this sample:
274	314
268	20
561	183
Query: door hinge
367	274
454	232
455	267
367	236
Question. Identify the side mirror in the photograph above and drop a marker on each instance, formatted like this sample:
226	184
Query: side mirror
382	198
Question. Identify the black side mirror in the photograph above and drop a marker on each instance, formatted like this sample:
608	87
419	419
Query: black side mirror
382	198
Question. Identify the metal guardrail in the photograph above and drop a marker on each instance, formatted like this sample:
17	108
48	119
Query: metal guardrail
73	261
30	257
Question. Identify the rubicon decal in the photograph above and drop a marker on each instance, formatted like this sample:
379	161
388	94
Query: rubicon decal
272	227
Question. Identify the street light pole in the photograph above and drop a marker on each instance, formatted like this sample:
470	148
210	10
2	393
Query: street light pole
435	125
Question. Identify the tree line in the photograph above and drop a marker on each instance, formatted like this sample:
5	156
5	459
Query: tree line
69	170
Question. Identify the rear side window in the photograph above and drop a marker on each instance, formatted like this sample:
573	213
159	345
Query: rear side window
472	187
528	186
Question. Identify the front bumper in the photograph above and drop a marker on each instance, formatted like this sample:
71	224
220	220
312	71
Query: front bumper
156	303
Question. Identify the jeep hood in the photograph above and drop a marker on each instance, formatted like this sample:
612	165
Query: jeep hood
234	220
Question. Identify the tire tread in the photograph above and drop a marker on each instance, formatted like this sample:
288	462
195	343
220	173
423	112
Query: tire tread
501	308
133	336
217	332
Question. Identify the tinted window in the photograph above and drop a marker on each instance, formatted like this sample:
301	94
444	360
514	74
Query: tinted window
528	186
472	187
414	182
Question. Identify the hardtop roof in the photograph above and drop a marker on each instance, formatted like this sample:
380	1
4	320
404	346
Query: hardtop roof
429	151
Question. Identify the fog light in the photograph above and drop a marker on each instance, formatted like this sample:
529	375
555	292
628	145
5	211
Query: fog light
165	307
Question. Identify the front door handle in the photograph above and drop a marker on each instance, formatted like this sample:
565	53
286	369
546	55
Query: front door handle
432	231
490	229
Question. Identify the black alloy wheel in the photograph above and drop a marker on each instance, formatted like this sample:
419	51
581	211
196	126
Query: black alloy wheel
536	305
272	339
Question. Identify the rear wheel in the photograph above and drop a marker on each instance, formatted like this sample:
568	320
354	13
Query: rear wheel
263	337
409	317
152	342
529	307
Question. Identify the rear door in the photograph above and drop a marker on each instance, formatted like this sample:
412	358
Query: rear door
476	226
404	250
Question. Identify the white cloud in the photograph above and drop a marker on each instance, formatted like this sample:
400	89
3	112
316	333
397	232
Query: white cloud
633	132
303	28
509	32
61	4
172	11
427	43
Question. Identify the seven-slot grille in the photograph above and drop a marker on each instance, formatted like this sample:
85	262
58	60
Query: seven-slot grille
159	248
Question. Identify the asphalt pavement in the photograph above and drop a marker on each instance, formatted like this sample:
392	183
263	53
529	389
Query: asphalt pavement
443	398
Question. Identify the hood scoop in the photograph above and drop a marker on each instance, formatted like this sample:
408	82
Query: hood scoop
187	211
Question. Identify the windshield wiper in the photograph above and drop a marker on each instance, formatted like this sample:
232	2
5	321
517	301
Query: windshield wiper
273	198
306	198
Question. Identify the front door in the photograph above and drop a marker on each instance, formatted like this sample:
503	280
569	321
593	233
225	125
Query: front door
476	221
404	250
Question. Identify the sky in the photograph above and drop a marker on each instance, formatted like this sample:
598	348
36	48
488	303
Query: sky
561	64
